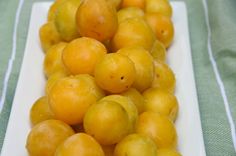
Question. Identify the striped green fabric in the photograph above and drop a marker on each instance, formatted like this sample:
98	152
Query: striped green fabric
212	25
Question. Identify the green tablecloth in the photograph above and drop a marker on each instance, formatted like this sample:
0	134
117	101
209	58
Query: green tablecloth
212	26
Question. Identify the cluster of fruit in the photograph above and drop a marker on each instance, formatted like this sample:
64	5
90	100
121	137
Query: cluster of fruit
108	91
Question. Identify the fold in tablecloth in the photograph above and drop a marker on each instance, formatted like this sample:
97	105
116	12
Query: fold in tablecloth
212	25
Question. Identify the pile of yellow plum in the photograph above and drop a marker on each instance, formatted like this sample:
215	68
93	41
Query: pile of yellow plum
109	91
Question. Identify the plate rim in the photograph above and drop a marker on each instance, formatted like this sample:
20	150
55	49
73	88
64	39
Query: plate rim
10	119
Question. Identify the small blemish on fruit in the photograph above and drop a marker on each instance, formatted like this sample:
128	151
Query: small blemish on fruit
122	77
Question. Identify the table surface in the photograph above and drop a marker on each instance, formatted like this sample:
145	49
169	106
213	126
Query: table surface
212	26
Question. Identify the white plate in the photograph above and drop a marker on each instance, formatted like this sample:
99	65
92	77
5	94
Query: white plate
31	86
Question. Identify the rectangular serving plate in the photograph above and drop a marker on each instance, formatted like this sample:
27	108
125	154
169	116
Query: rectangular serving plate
31	86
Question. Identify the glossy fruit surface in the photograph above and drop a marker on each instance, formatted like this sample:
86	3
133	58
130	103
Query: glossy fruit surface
65	21
136	98
97	19
46	136
158	127
158	51
48	35
133	32
111	124
52	80
159	6
130	12
143	65
128	105
70	98
136	145
115	73
53	9
40	111
80	144
91	84
81	55
162	27
164	78
53	60
162	102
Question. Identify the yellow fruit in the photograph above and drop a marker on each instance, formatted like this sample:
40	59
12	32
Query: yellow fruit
162	102
133	3
159	128
97	19
52	80
133	32
53	61
108	150
143	65
53	8
164	78
46	136
162	27
136	98
115	73
65	20
158	51
107	121
94	89
80	144
168	152
136	145
128	105
81	55
70	98
129	12
40	111
159	6
115	3
48	36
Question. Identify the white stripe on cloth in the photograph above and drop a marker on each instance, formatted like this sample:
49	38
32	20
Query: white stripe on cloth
218	78
13	54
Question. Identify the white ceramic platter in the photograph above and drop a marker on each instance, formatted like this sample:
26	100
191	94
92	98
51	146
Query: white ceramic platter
31	86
